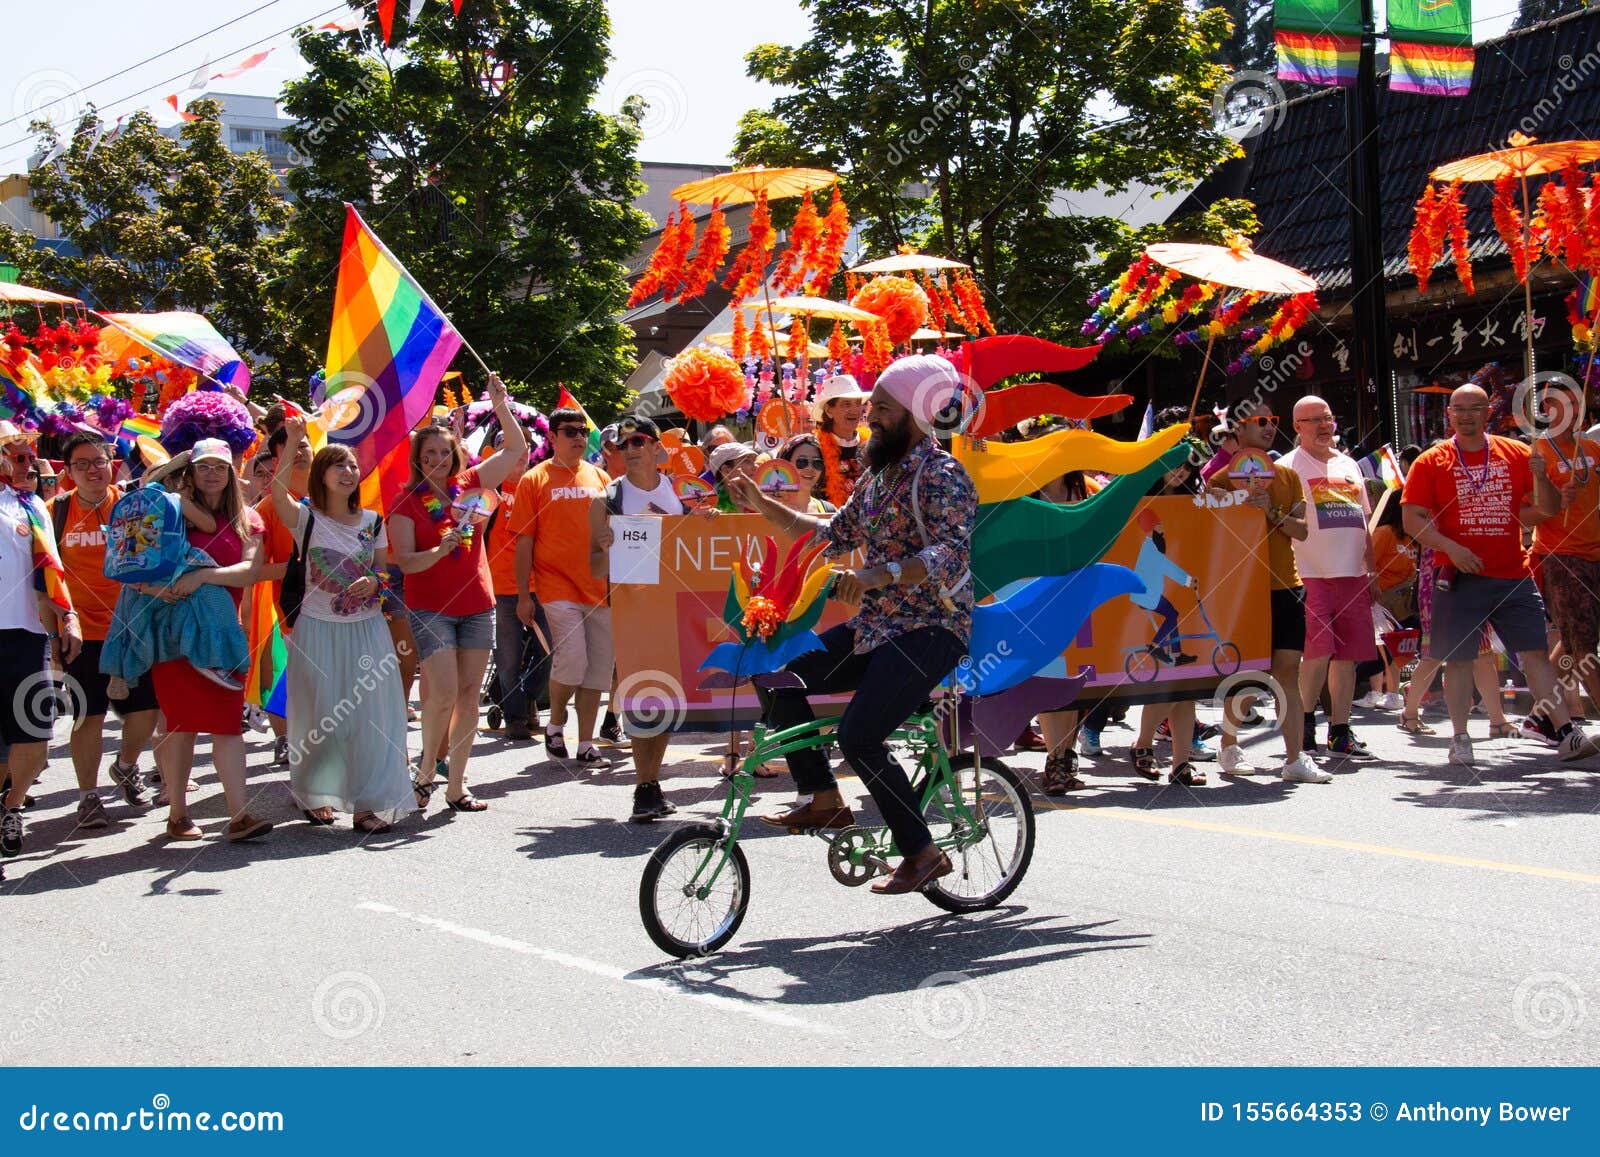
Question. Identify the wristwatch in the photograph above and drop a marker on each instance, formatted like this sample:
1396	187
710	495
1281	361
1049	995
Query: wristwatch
894	573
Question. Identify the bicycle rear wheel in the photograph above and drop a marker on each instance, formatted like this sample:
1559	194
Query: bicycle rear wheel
991	862
683	915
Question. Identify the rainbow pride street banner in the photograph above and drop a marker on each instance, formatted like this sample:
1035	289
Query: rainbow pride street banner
1319	41
388	347
1430	46
179	336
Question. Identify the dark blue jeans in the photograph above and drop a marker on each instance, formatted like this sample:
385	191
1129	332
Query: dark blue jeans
522	666
890	682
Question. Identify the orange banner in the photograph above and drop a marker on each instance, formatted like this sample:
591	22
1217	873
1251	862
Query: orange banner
1204	561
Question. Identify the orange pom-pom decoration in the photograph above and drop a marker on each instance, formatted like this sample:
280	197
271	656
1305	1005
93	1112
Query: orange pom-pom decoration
705	384
899	301
762	616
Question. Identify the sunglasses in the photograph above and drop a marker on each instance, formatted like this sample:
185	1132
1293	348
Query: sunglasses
22	456
806	463
1260	420
571	431
637	442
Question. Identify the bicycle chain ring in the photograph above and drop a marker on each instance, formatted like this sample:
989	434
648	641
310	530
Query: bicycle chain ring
840	849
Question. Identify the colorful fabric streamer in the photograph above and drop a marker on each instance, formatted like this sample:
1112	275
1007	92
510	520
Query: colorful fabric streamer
1005	408
987	360
388	338
1003	471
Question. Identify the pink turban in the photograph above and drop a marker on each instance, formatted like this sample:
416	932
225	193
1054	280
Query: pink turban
923	383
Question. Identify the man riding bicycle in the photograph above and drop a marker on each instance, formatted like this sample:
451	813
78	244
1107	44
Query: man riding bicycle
912	514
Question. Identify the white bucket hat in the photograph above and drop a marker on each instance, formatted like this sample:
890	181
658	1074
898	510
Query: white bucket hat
834	388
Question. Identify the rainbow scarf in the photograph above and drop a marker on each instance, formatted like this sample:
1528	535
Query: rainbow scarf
49	576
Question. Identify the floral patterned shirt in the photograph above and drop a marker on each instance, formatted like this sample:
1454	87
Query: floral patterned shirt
879	519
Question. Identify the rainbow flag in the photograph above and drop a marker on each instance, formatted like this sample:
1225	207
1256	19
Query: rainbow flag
137	424
185	338
591	446
265	686
19	389
1588	295
1431	69
389	339
1318	58
1383	464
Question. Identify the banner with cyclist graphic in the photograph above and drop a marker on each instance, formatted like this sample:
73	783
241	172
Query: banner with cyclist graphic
1202	617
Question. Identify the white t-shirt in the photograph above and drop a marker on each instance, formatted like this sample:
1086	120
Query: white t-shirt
19	602
339	555
1336	515
663	498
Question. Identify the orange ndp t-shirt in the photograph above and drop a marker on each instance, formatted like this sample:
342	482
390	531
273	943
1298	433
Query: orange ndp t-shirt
277	543
1475	503
83	554
502	547
552	505
1576	530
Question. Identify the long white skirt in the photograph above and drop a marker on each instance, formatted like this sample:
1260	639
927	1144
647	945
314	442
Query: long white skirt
347	719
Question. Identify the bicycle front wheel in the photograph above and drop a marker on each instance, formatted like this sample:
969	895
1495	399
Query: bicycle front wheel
990	860
684	913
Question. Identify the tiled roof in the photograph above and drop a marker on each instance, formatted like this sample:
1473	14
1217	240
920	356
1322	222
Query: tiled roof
1543	81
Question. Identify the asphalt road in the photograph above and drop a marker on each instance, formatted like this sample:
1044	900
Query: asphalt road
1408	913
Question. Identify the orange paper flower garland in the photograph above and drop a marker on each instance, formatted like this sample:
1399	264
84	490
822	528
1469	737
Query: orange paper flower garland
899	301
830	246
705	384
745	276
1426	245
794	265
741	336
838	343
708	257
1508	222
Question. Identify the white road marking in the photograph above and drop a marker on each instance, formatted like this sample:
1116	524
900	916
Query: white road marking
607	971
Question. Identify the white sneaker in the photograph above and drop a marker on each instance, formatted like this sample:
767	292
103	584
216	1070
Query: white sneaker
1303	769
1461	752
1371	701
1577	745
1391	701
1232	761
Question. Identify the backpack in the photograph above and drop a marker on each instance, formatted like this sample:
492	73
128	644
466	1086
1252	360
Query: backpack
293	590
146	540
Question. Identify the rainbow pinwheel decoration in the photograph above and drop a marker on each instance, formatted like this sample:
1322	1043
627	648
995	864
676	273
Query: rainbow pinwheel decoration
772	610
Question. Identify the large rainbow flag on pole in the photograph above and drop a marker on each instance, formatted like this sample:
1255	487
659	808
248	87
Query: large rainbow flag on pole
390	344
183	337
1430	46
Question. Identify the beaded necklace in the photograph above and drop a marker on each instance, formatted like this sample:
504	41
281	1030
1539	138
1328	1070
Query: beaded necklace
1488	457
436	507
878	498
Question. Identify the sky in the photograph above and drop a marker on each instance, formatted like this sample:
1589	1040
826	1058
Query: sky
687	60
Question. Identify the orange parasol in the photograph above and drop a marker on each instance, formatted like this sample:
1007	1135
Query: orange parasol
1234	265
742	185
926	334
821	307
1526	157
10	292
725	341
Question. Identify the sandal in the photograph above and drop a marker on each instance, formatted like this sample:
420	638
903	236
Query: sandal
1144	763
1413	725
371	824
183	829
424	791
1186	775
730	766
1061	774
1506	730
466	802
322	821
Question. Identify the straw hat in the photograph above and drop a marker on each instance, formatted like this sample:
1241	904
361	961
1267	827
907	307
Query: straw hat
9	433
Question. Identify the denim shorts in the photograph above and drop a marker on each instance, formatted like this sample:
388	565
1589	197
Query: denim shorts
1511	606
435	632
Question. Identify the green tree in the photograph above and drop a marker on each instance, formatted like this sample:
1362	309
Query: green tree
472	148
1531	12
956	123
168	224
1250	47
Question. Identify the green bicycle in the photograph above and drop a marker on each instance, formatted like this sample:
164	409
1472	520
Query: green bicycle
696	887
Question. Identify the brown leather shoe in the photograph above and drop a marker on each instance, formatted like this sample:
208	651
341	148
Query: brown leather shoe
247	827
912	875
812	815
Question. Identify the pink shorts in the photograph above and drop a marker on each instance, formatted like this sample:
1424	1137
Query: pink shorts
1339	619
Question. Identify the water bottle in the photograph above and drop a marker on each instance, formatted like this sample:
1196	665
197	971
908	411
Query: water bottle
1444	577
